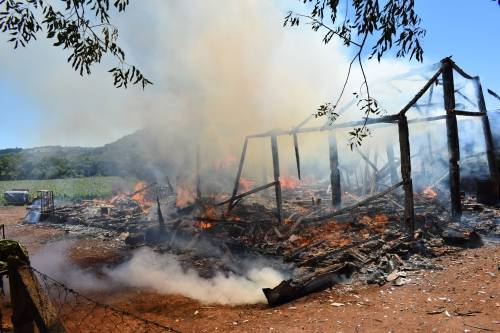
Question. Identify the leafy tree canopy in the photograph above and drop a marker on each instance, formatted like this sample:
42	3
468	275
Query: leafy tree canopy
81	26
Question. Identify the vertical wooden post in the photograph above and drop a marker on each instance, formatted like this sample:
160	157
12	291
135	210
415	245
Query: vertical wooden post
297	156
22	313
404	146
161	220
32	302
276	172
334	170
238	173
392	166
452	135
490	148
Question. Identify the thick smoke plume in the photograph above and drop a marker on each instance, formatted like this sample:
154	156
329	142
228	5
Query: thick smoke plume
162	273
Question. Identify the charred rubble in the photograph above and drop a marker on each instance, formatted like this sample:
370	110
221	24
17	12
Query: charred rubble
368	223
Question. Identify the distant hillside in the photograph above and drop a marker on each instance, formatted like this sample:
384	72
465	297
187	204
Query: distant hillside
136	155
127	156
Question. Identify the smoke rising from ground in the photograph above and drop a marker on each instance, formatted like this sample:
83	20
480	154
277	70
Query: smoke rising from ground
161	273
165	275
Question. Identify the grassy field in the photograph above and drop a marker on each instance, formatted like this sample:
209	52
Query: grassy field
72	188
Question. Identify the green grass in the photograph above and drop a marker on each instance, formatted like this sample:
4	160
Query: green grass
72	188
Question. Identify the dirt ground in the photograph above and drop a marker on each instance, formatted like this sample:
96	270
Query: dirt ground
464	297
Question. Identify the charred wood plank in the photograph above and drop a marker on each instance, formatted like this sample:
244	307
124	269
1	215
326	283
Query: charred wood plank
294	254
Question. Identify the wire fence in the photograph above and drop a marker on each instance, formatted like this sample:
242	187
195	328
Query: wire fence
79	313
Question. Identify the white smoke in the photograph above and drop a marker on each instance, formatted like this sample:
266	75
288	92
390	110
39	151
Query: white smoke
161	273
164	274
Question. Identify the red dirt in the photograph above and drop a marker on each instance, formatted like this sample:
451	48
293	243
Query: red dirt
465	297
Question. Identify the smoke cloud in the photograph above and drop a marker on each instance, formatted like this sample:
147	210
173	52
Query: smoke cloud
161	273
165	275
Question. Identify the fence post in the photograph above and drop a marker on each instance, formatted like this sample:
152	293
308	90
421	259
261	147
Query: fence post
22	313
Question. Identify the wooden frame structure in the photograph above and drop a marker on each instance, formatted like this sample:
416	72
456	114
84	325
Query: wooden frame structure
444	72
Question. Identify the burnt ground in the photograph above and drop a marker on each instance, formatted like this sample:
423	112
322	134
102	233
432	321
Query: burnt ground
463	297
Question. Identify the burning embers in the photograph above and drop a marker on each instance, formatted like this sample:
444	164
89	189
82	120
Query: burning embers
185	196
209	214
289	182
430	193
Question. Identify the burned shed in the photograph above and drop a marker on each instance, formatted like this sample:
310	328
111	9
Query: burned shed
416	111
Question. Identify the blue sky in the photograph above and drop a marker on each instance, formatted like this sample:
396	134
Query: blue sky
467	30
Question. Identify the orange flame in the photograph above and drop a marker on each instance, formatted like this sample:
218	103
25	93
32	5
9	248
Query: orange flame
430	193
185	196
246	184
205	225
209	213
226	162
289	182
140	195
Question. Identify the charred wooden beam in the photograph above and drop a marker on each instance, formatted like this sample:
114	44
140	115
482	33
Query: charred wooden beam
391	164
421	92
276	172
352	207
334	170
240	169
297	156
452	136
458	69
488	138
494	94
404	147
242	195
370	121
469	113
290	290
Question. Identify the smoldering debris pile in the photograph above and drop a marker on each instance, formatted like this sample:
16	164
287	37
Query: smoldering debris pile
360	242
368	222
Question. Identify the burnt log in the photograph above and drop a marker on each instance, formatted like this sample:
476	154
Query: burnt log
289	290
